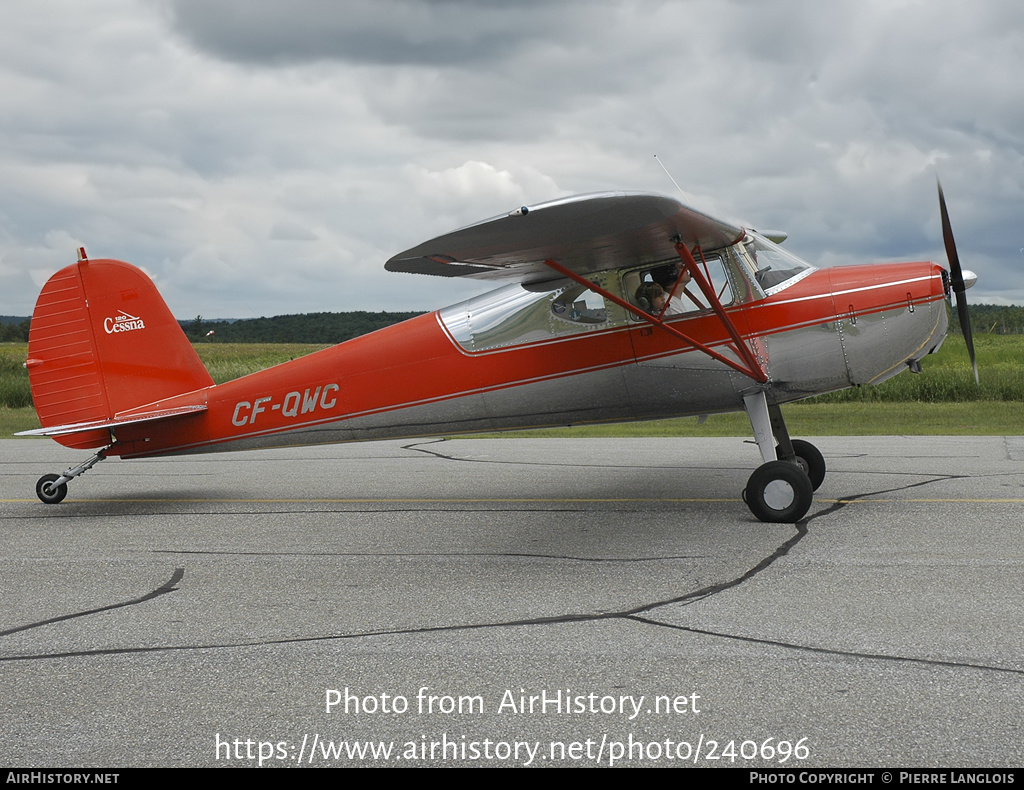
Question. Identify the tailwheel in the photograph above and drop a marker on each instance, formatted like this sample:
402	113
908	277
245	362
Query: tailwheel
810	460
779	492
52	489
48	493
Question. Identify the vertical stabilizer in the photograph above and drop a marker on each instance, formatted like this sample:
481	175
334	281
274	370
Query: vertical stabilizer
103	341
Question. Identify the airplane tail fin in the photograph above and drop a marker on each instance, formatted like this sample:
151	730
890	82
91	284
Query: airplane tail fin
102	341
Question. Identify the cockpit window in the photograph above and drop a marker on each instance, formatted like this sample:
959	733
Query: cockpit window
652	287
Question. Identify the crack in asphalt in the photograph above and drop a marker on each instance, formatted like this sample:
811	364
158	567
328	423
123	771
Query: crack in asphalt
419	448
835	507
167	587
633	614
510	554
830	651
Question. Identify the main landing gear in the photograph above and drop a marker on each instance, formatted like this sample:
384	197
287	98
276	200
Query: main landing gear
781	489
52	488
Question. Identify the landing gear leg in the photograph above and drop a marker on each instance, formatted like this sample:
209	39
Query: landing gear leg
797	450
52	489
778	490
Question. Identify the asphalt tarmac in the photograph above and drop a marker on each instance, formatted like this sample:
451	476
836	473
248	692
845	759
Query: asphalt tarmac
514	602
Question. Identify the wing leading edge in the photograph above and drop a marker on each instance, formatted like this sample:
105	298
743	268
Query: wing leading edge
584	233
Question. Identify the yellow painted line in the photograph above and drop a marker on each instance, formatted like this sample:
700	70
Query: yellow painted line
384	501
515	500
933	501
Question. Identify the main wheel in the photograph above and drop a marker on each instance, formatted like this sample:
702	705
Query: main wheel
779	491
48	493
810	459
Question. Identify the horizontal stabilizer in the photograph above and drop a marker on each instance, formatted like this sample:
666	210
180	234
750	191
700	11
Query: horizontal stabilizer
129	419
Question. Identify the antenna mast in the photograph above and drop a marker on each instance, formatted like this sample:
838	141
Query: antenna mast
686	198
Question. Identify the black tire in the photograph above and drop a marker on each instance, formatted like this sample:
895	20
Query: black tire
779	492
809	457
49	494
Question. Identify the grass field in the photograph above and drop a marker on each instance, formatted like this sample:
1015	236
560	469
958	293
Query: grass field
943	399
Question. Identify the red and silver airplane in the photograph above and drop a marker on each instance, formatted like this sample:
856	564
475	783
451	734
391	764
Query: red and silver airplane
615	307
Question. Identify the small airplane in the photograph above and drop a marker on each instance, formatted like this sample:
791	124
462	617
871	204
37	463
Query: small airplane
614	307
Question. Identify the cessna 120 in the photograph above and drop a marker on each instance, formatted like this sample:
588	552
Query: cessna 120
619	307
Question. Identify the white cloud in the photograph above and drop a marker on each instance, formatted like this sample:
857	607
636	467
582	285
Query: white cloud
270	157
475	190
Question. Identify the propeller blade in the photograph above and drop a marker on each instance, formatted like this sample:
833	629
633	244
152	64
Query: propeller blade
956	277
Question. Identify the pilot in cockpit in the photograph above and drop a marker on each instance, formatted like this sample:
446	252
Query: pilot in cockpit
652	298
674	279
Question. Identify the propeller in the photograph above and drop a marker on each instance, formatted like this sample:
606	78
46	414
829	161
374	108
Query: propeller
957	280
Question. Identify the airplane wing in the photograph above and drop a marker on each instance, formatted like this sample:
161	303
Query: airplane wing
584	233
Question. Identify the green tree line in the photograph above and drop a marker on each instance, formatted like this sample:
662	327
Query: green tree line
306	328
323	328
332	328
13	329
994	319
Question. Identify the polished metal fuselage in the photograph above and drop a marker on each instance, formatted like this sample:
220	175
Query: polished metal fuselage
520	358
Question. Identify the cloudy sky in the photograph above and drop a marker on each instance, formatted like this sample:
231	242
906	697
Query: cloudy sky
259	158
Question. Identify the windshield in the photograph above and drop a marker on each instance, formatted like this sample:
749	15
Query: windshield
772	267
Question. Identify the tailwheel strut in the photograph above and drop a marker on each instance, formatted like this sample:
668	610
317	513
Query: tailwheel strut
52	488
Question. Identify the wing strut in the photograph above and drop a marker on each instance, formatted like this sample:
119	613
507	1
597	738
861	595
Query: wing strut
751	367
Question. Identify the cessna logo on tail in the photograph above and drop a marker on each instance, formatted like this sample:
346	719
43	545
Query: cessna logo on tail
122	322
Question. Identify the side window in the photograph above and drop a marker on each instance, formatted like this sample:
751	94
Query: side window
715	271
517	314
669	289
579	305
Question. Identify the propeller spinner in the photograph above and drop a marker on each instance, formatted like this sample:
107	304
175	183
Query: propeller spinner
959	279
